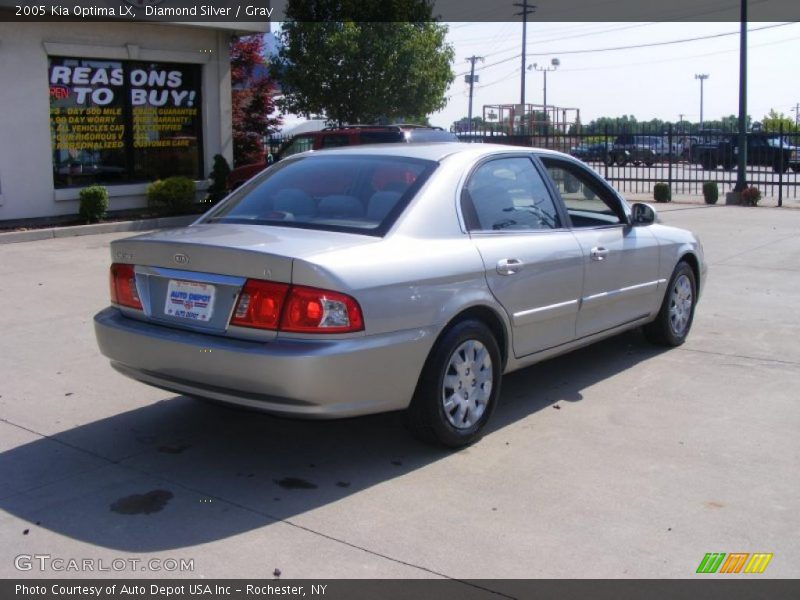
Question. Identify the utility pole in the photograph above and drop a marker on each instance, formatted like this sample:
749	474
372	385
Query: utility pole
702	77
527	9
471	79
796	109
741	169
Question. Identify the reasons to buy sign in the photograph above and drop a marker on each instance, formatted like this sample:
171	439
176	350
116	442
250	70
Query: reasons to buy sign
123	120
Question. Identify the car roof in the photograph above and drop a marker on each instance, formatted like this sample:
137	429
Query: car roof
435	151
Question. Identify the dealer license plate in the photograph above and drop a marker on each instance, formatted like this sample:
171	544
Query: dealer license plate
190	300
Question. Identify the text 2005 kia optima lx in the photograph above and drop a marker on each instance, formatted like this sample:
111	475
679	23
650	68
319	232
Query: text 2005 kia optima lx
369	279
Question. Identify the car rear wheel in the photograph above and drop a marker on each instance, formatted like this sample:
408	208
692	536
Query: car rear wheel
674	319
458	388
780	166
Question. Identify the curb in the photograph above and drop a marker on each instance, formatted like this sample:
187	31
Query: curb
75	230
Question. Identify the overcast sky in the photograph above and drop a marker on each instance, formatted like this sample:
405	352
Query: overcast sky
646	82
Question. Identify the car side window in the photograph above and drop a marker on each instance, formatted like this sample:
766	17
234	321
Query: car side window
297	145
508	194
589	203
334	141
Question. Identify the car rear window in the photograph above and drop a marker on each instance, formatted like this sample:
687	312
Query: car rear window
381	137
356	193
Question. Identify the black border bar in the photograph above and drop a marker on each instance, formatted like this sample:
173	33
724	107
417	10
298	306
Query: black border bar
233	11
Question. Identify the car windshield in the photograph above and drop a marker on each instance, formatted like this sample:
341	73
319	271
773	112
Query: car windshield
357	193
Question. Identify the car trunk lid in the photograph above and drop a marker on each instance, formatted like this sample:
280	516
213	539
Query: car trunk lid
191	277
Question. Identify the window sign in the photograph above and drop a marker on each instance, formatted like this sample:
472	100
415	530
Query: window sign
123	121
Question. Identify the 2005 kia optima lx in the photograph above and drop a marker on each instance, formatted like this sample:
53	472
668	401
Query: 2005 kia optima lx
368	279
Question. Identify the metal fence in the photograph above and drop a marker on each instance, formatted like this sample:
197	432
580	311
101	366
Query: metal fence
635	160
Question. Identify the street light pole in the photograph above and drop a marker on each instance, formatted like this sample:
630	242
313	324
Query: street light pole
545	69
702	77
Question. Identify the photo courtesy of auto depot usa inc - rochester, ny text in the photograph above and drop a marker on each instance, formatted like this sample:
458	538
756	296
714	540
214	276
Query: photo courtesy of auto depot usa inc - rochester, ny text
155	590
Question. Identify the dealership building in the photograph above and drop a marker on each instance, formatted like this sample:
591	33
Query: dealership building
116	103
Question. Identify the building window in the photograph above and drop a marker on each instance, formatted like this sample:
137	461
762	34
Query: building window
123	121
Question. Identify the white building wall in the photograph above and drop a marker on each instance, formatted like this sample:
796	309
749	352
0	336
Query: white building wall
26	180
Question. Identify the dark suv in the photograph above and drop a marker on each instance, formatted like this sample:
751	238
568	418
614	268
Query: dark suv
349	135
629	148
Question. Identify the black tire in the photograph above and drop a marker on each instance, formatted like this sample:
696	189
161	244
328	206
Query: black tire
796	168
779	167
427	417
571	183
664	331
608	160
709	162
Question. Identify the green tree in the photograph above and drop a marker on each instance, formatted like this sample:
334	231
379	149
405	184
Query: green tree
729	123
392	63
773	120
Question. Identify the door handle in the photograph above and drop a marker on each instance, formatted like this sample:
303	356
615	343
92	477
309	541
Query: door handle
509	266
599	253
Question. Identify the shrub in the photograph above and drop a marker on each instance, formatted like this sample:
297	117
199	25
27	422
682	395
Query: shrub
710	192
93	203
661	192
219	179
751	196
173	195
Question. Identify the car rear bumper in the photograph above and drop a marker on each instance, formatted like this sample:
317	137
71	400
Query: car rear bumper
306	378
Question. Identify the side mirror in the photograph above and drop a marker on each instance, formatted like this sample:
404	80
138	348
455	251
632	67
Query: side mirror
643	214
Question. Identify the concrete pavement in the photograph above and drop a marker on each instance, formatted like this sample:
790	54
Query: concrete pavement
618	460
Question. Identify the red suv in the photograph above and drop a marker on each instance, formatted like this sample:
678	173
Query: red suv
350	135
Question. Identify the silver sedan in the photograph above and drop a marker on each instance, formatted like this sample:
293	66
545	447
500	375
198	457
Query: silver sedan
396	277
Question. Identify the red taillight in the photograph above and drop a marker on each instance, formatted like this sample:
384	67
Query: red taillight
122	281
296	309
260	304
311	310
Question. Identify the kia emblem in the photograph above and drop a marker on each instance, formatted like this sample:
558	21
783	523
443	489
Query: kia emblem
181	259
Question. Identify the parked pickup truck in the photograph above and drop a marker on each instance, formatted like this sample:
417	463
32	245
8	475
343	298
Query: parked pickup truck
762	150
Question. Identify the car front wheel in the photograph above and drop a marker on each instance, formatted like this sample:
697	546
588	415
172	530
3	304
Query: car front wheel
674	319
458	388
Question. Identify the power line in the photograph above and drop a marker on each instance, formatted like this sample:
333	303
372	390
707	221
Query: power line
694	39
674	58
652	44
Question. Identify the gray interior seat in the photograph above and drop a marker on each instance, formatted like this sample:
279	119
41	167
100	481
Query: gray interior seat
341	207
380	204
295	201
